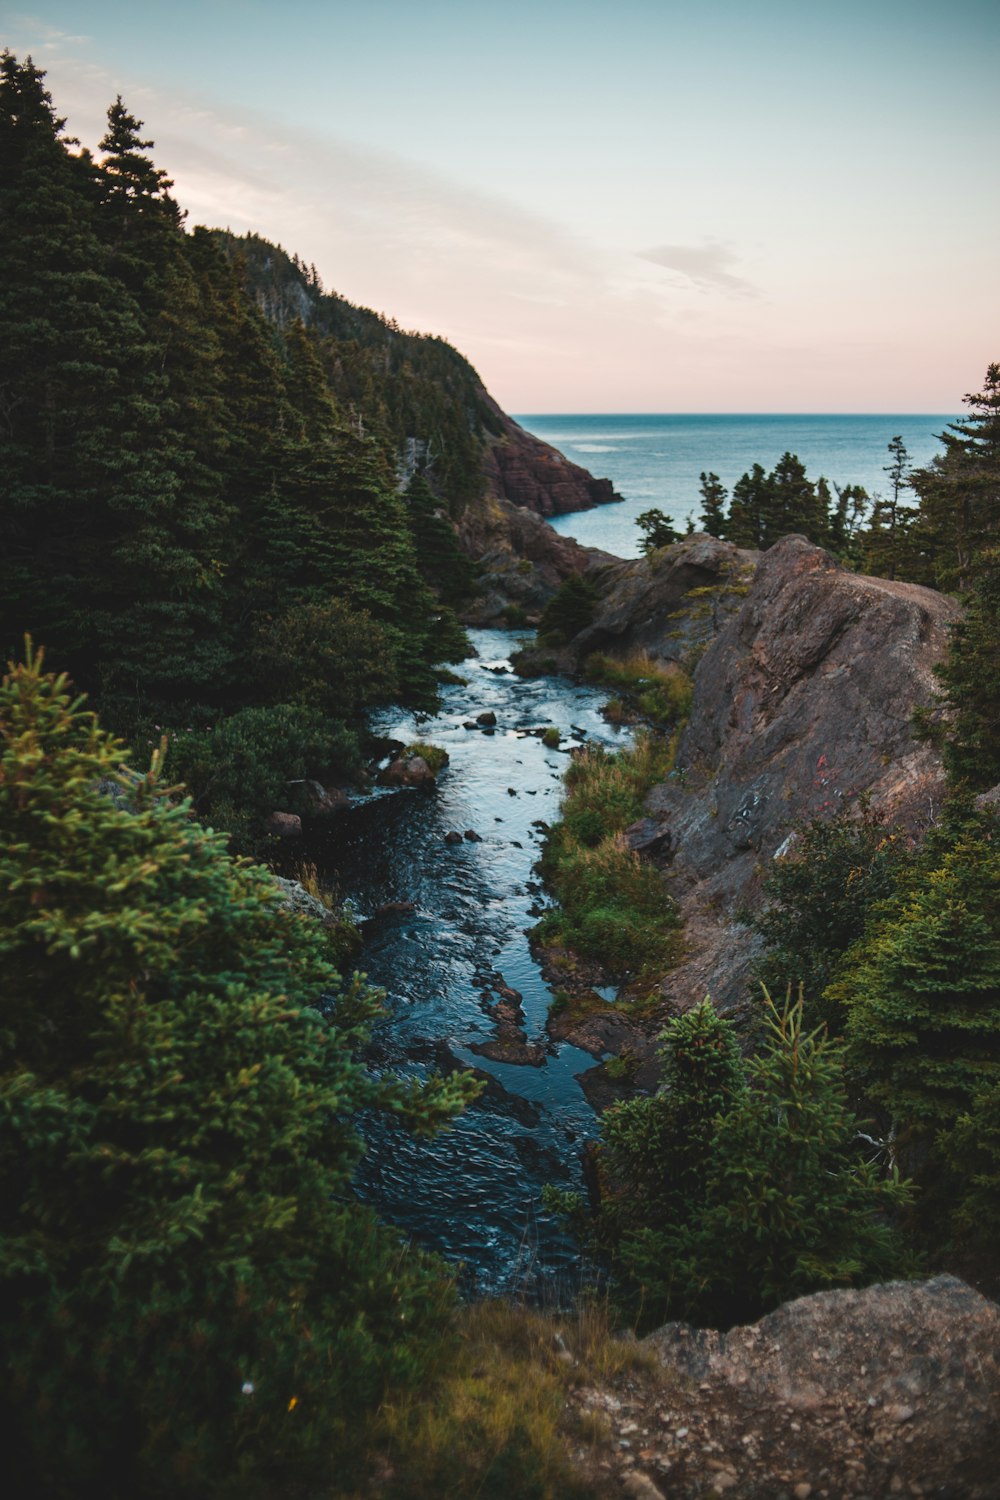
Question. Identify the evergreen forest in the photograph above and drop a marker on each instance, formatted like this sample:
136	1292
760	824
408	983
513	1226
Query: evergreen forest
211	516
228	506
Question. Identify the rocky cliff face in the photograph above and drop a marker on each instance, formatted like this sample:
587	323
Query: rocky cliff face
803	698
523	561
531	474
894	1390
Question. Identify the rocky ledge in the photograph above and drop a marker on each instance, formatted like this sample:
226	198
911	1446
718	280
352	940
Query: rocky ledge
803	701
806	677
894	1390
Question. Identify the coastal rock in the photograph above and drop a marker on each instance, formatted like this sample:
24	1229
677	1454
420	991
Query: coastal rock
651	840
668	605
527	472
296	898
523	561
803	700
511	1050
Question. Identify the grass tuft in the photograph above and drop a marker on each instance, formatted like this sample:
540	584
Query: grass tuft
493	1421
659	692
613	907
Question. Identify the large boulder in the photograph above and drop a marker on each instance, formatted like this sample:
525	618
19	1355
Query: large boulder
408	770
803	700
894	1390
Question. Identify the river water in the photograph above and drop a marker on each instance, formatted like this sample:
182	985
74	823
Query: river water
473	1193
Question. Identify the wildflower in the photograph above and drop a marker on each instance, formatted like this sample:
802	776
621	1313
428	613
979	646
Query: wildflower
293	1403
247	1387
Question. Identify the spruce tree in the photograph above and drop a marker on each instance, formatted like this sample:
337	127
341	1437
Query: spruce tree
791	1205
923	992
970	678
713	502
190	1299
76	384
958	519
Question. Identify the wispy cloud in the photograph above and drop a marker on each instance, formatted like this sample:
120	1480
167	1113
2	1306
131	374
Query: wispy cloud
708	265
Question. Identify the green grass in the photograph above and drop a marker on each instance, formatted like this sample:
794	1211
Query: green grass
658	692
613	907
492	1422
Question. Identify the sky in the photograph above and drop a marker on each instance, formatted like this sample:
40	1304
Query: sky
606	205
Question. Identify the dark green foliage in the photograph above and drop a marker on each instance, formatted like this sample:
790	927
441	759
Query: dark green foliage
655	1151
190	520
766	507
570	610
846	517
713	501
970	679
442	563
923	992
253	762
657	530
887	542
613	906
791	1206
190	1301
971	1154
405	387
958	520
740	1185
820	897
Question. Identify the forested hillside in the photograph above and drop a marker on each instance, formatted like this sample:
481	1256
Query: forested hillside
228	497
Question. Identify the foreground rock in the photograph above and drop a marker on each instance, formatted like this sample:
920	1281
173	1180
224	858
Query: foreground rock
894	1390
668	606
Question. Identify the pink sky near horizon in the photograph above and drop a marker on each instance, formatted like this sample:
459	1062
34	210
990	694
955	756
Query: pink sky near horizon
605	208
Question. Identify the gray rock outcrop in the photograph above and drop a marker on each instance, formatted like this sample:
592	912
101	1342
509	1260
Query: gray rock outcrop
894	1390
803	700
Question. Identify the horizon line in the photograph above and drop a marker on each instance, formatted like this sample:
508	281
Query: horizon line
650	412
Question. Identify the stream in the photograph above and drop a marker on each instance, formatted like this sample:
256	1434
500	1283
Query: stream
472	1194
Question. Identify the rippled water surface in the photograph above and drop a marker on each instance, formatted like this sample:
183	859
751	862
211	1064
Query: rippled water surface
655	461
472	1194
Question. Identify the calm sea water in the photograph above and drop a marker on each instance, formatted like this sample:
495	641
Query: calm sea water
656	460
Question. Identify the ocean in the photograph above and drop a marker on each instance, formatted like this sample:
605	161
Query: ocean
655	461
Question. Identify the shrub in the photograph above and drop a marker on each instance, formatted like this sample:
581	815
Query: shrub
189	1298
821	896
570	610
241	768
923	991
739	1185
